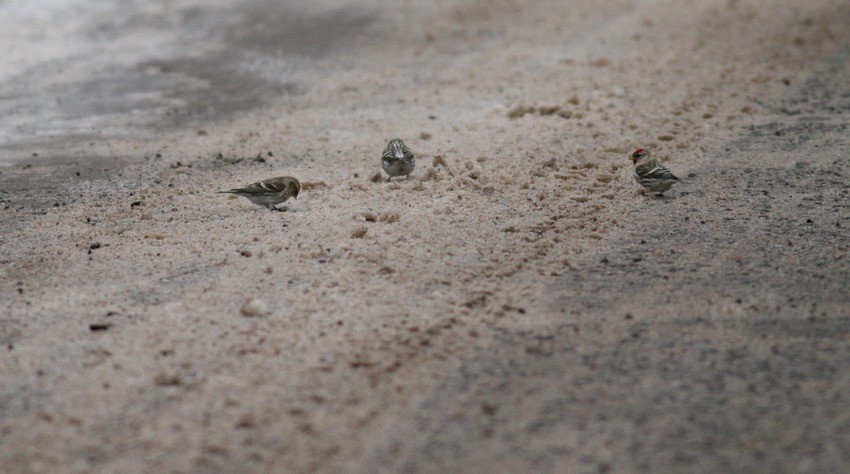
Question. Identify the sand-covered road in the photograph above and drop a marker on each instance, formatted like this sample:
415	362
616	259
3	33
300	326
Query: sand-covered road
514	306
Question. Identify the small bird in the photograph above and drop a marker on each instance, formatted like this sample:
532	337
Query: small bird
651	174
269	192
397	159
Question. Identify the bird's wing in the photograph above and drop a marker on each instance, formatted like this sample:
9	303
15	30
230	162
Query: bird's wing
260	187
659	172
389	156
274	185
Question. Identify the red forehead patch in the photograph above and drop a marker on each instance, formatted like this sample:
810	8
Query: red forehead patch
638	151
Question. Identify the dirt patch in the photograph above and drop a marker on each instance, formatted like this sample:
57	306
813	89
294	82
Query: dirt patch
371	291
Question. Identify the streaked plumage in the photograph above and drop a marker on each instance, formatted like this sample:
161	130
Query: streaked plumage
397	159
269	192
651	174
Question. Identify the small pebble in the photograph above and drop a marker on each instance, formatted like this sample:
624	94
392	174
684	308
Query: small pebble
97	327
254	307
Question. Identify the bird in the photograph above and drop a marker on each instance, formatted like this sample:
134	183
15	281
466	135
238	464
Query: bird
269	192
397	159
651	174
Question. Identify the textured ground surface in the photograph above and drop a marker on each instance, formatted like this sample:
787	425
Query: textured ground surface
716	339
516	305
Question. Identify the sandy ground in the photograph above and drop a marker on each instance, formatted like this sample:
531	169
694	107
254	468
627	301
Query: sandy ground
509	307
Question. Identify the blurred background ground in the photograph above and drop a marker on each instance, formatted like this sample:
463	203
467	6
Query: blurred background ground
516	305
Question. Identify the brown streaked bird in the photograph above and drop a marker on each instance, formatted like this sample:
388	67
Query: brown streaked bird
269	192
397	159
651	174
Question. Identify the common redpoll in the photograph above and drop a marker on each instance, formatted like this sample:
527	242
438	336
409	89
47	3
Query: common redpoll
651	174
397	159
269	192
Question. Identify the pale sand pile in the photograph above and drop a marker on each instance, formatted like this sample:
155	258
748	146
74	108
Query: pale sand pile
521	117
